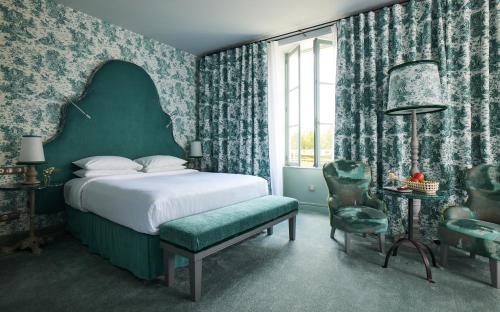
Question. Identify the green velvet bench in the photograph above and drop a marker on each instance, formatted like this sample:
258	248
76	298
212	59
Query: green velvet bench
204	234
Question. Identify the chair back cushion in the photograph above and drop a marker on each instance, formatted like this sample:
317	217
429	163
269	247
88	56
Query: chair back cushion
347	182
483	187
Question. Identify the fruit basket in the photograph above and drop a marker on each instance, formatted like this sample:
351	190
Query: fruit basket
427	187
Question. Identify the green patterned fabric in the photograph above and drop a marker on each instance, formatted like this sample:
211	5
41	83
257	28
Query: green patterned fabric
352	208
360	220
203	230
136	252
232	103
47	53
458	212
462	35
475	227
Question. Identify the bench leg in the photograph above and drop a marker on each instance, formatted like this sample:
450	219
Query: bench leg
495	273
347	243
270	231
195	278
169	266
443	259
291	227
381	243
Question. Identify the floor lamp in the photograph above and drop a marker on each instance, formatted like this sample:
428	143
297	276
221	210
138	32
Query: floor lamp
414	88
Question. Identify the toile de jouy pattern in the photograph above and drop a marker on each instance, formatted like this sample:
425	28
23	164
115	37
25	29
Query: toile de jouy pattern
409	85
462	35
47	53
232	99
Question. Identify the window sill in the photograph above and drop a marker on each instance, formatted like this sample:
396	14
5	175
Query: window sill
299	167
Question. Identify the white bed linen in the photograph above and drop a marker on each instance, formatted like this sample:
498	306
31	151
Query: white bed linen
143	201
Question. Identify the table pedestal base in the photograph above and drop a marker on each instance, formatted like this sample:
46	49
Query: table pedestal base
32	243
421	248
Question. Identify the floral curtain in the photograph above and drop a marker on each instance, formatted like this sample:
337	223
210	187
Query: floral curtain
232	99
462	35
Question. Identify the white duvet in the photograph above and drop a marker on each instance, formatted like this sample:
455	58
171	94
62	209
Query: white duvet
143	201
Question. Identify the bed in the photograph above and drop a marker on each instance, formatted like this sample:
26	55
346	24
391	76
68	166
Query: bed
117	217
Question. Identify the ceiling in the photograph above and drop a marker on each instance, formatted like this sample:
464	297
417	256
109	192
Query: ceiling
201	26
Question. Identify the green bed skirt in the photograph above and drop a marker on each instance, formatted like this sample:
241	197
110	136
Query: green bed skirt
136	252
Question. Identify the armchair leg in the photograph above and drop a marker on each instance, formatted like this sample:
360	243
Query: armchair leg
495	273
381	243
332	233
269	231
347	243
444	254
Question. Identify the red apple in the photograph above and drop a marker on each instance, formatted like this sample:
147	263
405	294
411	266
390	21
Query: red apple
419	176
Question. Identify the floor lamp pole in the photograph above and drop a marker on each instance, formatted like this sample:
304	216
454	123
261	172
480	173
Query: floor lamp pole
414	162
414	143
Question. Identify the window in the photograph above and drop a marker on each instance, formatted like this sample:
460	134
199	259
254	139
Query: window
310	102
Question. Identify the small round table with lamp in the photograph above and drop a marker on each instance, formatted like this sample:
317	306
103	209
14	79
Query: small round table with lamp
422	248
414	89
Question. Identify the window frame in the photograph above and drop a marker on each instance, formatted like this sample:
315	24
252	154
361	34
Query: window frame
317	121
287	110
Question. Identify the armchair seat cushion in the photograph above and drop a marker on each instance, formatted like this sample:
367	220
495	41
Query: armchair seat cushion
477	236
359	219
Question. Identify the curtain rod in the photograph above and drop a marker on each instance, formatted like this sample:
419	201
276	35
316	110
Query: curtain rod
303	30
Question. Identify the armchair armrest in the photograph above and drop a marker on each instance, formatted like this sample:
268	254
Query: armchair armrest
333	202
374	202
458	212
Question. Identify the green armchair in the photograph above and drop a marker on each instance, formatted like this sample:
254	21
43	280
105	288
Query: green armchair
352	209
475	227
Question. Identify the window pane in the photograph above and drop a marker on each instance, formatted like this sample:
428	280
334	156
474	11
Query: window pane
293	107
293	145
293	70
326	143
326	66
326	103
307	108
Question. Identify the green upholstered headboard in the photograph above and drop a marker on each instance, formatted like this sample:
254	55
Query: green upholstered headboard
126	120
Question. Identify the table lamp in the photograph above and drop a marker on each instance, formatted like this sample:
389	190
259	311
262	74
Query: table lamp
414	88
31	155
195	149
195	153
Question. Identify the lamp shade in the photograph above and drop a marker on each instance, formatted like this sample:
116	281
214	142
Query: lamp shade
31	150
195	149
414	86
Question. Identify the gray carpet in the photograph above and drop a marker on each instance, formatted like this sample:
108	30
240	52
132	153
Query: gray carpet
261	274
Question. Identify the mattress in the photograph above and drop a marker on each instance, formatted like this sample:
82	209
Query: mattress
143	201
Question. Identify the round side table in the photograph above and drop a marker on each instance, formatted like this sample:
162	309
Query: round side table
422	248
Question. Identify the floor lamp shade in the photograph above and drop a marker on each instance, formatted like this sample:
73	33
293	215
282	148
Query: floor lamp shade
31	150
195	149
414	87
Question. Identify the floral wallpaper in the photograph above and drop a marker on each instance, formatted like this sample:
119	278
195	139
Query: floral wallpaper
462	36
48	51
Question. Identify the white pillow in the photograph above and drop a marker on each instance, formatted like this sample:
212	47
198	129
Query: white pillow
160	161
84	173
163	169
107	163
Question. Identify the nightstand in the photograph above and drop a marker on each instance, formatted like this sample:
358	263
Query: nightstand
32	241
